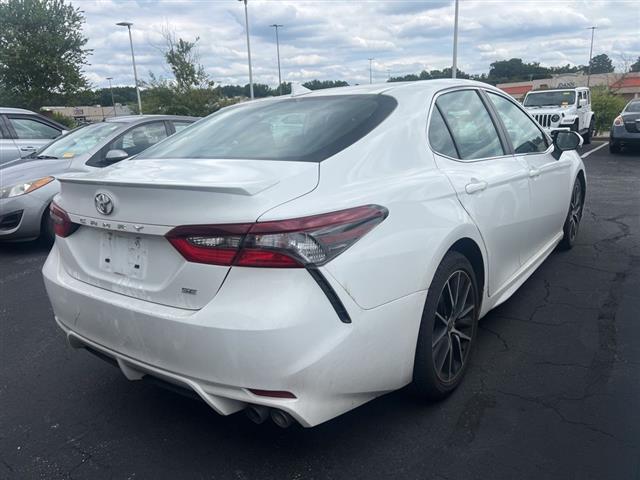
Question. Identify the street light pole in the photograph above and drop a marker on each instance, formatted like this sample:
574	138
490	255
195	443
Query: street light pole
276	26
371	70
246	23
454	68
113	102
593	29
133	60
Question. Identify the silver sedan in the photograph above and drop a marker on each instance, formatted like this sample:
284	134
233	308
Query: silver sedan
28	185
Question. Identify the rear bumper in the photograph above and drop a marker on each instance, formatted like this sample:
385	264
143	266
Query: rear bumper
268	329
619	135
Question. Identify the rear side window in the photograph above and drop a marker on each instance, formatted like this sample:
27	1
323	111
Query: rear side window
524	134
29	129
439	136
307	129
179	126
472	129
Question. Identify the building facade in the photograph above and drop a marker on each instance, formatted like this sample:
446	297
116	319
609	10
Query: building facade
625	84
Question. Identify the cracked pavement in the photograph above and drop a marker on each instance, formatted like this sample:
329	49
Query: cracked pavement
553	391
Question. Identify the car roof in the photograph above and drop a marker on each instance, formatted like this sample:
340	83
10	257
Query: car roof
147	118
557	89
16	110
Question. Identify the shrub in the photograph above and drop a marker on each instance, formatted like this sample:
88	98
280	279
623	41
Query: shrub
606	107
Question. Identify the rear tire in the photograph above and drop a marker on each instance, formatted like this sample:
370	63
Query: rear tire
586	138
448	328
614	148
572	222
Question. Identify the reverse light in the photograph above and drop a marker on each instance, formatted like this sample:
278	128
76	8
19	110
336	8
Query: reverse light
25	187
294	243
62	224
619	121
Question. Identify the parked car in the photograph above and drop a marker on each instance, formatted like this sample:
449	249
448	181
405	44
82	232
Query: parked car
563	108
301	273
625	131
23	132
28	185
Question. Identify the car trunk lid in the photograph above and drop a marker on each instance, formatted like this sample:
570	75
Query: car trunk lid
125	250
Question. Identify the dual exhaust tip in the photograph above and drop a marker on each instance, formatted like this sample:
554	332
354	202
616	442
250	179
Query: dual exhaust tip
259	414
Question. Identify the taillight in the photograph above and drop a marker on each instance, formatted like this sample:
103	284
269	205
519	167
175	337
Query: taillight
294	243
619	121
62	224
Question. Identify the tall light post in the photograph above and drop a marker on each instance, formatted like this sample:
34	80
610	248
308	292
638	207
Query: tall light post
371	70
246	24
593	30
133	60
454	68
113	102
276	26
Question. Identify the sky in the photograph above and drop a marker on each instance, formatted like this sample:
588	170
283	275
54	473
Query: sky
333	39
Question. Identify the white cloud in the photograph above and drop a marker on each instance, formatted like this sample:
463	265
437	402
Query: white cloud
332	39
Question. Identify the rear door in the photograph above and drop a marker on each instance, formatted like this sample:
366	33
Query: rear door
549	179
30	133
491	183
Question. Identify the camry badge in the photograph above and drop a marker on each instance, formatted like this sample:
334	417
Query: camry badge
103	203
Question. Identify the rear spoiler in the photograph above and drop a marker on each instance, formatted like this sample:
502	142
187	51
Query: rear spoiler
247	188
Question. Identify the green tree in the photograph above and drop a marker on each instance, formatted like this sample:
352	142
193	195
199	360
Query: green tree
321	84
601	64
42	51
635	67
184	60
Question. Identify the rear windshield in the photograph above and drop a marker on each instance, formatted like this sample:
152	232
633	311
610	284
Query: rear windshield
300	129
633	107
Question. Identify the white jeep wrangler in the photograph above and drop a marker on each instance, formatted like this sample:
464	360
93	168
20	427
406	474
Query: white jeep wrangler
562	108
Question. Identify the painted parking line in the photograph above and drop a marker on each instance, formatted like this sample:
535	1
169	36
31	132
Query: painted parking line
586	154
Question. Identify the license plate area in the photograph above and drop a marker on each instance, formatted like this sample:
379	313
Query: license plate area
123	254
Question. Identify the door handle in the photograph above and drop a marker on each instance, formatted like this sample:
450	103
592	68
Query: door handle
475	186
534	172
27	149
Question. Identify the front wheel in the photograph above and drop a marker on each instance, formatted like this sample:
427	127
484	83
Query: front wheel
448	328
572	222
47	234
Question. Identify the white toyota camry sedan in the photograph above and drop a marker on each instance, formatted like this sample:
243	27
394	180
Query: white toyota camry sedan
298	256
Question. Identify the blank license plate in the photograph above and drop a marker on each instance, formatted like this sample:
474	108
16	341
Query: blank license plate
123	255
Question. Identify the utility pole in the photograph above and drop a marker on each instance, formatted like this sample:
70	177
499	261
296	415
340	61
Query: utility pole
113	102
388	74
454	68
133	60
593	29
246	23
276	26
371	70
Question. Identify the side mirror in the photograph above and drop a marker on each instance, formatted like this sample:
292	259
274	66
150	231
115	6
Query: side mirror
114	156
564	140
582	102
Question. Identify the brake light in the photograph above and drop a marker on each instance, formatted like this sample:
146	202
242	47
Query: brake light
62	224
619	121
294	243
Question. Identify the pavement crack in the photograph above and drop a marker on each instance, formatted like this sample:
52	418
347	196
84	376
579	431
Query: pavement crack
496	334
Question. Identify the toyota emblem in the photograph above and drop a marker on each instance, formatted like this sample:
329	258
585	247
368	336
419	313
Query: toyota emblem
103	203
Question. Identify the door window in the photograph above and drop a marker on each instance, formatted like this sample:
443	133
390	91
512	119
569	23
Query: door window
179	126
439	136
525	136
139	138
472	129
29	129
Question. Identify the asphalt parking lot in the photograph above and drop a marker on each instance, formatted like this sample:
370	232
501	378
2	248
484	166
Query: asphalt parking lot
553	390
